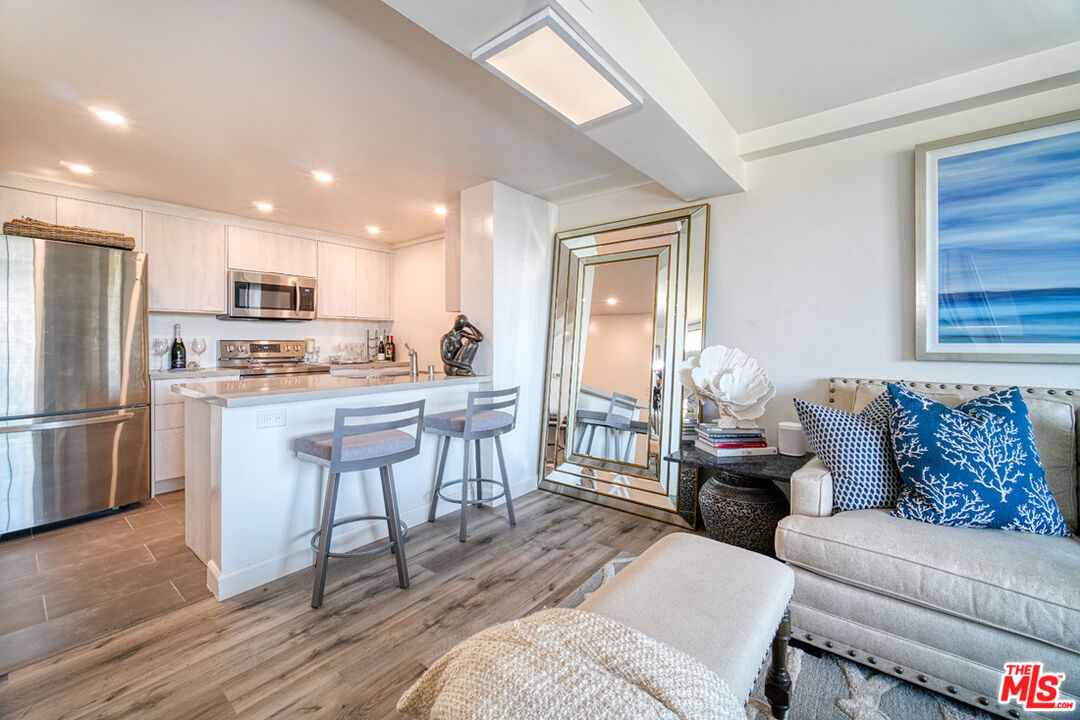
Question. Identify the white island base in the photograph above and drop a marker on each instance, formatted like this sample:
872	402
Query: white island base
252	505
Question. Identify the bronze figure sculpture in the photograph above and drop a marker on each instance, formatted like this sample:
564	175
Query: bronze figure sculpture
459	346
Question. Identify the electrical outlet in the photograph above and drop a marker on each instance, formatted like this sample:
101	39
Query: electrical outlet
270	418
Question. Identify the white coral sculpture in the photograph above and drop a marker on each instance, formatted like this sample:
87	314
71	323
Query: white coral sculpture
733	380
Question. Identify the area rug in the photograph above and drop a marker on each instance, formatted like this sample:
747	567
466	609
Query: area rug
825	688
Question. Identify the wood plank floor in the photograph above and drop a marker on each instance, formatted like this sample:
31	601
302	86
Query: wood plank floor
72	584
267	653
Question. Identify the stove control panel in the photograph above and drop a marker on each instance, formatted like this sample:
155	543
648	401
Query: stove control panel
260	349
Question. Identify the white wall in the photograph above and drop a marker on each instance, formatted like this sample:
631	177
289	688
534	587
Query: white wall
524	226
419	298
506	255
618	355
811	270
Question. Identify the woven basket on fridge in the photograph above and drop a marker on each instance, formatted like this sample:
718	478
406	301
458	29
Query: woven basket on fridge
27	227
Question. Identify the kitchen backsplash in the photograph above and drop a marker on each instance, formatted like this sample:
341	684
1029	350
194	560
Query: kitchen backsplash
330	335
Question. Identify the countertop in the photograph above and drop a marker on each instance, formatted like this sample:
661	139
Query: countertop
298	388
200	373
219	371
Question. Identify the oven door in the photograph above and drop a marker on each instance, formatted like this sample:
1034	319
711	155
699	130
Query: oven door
271	297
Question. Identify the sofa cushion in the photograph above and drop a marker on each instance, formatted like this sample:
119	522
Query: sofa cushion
975	465
857	451
1056	436
1024	583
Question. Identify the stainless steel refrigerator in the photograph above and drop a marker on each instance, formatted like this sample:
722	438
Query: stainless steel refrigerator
74	381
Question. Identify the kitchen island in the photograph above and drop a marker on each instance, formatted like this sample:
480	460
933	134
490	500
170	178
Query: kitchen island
252	505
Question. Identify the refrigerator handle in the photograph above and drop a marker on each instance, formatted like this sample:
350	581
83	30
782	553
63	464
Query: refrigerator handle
59	424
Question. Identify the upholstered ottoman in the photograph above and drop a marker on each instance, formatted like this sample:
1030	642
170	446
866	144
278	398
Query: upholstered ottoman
718	603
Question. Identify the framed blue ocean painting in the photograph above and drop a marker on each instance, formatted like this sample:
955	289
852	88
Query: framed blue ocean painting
998	244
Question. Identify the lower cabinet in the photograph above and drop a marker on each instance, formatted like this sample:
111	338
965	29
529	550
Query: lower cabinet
167	438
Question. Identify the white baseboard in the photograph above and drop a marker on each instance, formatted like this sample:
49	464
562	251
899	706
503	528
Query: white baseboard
234	582
167	486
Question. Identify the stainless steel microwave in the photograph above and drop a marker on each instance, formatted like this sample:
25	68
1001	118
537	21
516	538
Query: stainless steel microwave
265	296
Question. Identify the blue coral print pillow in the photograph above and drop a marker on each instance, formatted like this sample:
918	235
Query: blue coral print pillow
971	466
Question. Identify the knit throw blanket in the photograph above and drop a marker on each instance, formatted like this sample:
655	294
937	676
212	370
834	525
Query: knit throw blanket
568	664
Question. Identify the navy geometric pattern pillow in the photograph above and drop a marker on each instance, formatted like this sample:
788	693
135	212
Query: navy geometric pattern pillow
971	466
856	450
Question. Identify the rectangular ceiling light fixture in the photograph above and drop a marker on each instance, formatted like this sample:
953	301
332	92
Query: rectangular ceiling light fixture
545	58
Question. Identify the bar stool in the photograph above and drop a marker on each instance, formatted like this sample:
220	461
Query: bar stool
485	416
617	419
356	447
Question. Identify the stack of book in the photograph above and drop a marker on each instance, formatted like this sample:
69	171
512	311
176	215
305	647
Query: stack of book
732	442
689	431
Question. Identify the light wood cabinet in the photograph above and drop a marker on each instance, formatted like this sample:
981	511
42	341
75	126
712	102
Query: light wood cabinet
262	251
23	203
373	283
337	280
187	264
99	216
167	438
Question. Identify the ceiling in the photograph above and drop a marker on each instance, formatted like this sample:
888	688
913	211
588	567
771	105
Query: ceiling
764	63
236	102
631	283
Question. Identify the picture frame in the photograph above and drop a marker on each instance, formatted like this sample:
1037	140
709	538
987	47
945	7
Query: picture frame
997	244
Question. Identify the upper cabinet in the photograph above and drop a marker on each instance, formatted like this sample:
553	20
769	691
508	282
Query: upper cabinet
353	282
187	264
337	280
99	216
23	203
189	259
272	253
373	283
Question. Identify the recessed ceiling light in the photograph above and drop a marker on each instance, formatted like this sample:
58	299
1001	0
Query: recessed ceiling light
373	229
77	168
323	177
113	118
612	301
440	209
264	206
549	61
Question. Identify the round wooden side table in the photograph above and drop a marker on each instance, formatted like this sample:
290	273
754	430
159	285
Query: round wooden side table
739	500
742	510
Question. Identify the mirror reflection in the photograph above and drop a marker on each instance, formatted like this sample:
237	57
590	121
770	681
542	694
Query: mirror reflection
628	300
621	363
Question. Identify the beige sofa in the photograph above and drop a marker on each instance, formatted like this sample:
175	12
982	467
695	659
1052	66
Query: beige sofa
941	607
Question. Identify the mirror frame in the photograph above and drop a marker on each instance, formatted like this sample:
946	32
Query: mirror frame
625	486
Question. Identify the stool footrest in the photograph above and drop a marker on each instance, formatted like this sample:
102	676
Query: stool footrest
358	553
482	501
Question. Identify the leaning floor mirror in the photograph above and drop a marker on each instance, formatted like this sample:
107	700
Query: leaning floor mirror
627	305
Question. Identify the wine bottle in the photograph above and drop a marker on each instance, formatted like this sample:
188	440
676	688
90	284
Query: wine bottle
380	353
178	354
391	350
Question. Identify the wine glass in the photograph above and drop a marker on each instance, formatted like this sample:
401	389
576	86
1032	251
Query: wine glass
198	346
160	347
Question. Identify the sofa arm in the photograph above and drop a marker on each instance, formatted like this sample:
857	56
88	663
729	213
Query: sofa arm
811	490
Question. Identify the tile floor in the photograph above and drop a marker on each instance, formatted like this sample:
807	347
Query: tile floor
63	587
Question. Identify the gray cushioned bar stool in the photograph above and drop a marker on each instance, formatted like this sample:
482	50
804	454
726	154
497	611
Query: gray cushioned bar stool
488	414
356	447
